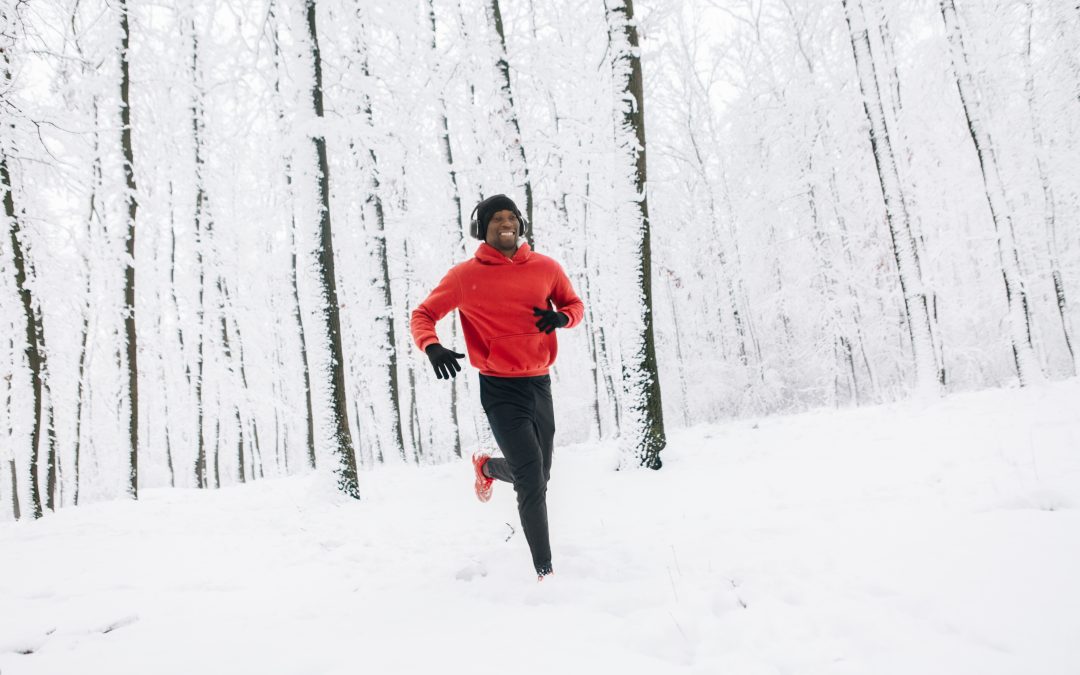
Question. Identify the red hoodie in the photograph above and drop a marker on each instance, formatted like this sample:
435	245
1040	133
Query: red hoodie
495	296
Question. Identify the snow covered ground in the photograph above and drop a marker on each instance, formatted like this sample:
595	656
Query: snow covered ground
937	537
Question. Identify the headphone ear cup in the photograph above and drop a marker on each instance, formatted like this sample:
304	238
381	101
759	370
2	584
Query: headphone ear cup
474	224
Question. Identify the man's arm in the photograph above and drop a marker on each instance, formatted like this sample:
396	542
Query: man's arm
566	300
445	298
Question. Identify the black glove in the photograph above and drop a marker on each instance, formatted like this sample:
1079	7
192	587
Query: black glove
550	319
443	361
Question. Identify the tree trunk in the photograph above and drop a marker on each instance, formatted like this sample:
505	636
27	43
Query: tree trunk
310	411
385	316
202	228
309	440
668	274
458	237
15	510
510	116
217	448
129	264
908	176
52	470
916	305
341	447
641	381
30	349
1049	203
600	346
172	286
1027	364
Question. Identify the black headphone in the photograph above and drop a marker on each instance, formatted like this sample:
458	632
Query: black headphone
474	221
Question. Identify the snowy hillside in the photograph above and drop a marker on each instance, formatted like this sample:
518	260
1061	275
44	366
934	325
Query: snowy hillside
937	537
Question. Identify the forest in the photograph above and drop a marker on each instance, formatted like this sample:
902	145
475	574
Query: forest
219	214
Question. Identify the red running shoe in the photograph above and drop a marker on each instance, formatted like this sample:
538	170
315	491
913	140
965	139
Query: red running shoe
483	483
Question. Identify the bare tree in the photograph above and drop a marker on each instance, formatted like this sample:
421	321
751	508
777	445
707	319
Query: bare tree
30	348
1027	364
640	377
202	230
385	314
129	263
897	217
341	440
458	237
297	316
1050	207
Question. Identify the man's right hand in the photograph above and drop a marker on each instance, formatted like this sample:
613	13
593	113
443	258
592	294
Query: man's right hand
443	361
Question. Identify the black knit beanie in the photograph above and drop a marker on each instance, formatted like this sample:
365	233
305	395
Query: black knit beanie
489	207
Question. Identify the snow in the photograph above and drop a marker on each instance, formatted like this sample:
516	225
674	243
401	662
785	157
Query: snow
919	537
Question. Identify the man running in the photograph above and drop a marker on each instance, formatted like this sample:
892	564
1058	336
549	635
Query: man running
510	301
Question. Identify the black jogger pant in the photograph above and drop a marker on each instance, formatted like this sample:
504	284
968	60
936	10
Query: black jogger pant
523	422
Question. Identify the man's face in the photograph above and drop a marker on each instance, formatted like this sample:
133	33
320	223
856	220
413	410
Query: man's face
502	231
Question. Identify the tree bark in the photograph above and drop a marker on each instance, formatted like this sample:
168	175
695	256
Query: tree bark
202	229
129	264
897	218
341	447
640	377
30	349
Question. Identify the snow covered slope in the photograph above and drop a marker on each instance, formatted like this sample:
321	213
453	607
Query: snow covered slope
937	537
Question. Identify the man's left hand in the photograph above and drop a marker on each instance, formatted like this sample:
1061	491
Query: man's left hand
550	319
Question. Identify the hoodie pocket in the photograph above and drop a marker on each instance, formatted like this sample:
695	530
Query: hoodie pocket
521	353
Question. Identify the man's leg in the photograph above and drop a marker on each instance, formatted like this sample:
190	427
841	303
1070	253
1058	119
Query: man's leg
510	406
544	421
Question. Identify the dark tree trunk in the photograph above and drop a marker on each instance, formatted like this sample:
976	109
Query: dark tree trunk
202	228
15	510
52	470
217	449
639	369
309	438
341	440
33	357
129	273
